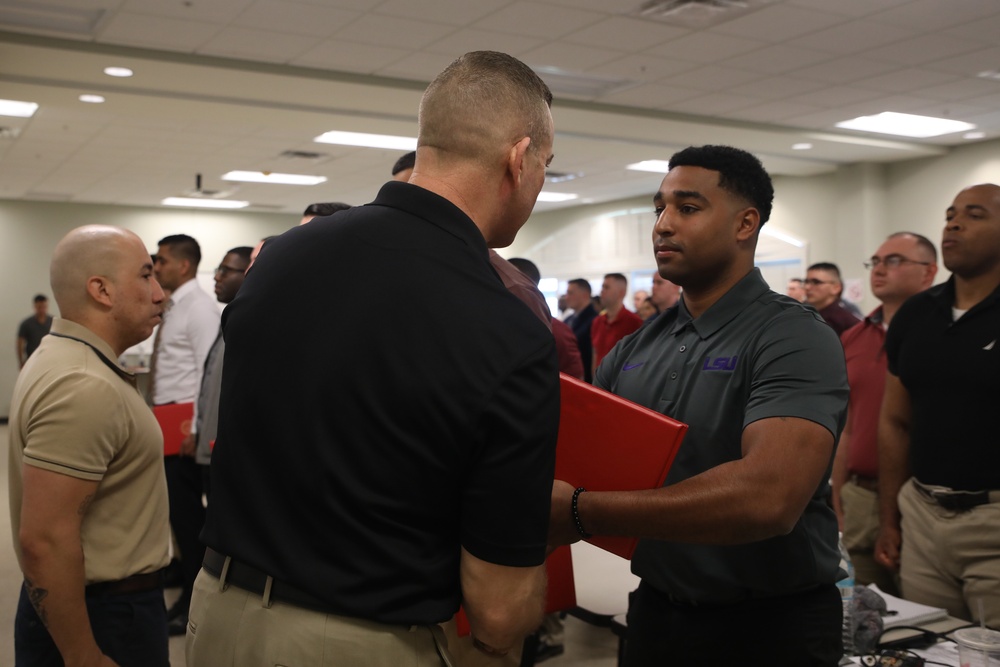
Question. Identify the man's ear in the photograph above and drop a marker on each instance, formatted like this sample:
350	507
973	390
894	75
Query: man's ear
749	224
101	290
515	159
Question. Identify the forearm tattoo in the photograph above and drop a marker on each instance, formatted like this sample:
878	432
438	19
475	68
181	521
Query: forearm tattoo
35	596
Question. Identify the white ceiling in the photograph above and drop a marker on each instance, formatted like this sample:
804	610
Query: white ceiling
233	84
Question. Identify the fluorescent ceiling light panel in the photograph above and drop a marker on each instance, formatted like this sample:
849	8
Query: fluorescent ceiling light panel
17	108
368	140
804	146
204	203
121	72
555	196
906	125
272	177
655	166
978	134
92	99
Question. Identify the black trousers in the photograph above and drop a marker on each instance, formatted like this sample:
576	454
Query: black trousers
187	517
798	631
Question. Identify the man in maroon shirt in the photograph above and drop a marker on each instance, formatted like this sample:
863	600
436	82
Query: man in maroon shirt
615	321
823	291
902	266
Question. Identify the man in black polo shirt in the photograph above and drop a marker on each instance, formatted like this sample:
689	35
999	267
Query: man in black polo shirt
364	487
740	558
938	424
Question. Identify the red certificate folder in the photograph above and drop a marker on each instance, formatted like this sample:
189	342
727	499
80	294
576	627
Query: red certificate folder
175	422
608	443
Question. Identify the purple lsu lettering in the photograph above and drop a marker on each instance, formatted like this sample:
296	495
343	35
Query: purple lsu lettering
719	364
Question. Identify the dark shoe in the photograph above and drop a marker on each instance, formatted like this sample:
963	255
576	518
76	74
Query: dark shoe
546	651
179	625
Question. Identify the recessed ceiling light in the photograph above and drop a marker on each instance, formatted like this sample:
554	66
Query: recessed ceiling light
804	146
118	71
906	125
555	196
272	177
92	99
978	134
193	202
368	140
17	108
656	166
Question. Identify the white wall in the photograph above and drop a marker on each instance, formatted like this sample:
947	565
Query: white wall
30	230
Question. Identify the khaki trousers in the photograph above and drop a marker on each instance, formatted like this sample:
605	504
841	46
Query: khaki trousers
231	626
860	532
951	559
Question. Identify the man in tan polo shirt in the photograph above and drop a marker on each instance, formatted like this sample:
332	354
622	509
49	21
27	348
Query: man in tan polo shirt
87	490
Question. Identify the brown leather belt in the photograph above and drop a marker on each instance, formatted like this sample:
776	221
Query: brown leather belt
137	583
866	483
251	579
956	501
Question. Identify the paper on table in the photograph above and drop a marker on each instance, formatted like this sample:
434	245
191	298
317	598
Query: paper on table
907	612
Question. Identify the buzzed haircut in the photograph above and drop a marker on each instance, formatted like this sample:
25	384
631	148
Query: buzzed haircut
480	102
923	243
582	284
40	297
527	267
243	252
405	162
740	173
617	276
183	246
325	208
826	266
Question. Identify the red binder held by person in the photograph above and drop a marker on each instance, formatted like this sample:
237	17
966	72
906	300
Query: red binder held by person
608	443
175	422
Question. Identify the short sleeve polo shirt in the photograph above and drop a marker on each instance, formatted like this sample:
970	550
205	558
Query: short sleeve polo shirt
753	355
951	370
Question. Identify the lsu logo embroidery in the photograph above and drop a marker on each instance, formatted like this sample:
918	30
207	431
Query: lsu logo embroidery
719	364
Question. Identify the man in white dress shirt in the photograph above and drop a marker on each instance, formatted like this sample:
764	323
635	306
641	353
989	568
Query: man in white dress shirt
189	328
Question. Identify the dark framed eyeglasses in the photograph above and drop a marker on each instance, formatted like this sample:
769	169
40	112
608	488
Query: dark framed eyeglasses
226	270
816	281
891	262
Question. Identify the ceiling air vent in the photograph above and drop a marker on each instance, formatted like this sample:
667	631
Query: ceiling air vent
697	13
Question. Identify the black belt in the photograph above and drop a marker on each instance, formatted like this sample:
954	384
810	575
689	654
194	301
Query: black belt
956	501
255	581
137	583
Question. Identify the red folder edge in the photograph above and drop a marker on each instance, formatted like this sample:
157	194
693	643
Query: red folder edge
608	443
175	422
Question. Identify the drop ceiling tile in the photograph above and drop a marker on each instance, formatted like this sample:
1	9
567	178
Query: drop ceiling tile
389	31
341	55
252	44
654	96
154	32
706	47
852	37
856	8
935	15
295	18
906	80
924	49
777	59
626	34
776	87
470	39
713	78
774	112
984	30
969	64
845	70
780	22
714	104
643	68
569	57
220	13
962	89
452	12
966	111
545	21
417	66
834	96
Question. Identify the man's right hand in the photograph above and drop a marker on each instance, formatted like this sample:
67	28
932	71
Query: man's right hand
887	546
